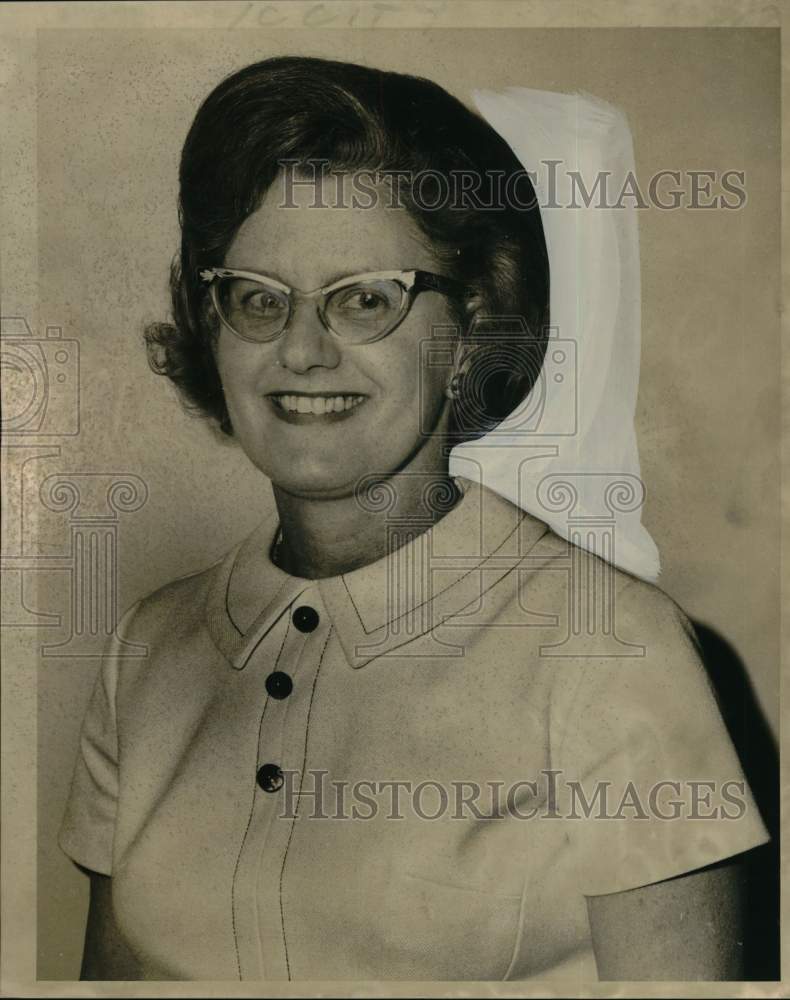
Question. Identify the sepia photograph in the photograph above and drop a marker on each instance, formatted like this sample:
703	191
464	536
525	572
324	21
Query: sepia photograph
392	476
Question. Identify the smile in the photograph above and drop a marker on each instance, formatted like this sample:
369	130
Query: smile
301	408
317	405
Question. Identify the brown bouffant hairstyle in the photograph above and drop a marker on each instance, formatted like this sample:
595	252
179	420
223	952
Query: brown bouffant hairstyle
346	117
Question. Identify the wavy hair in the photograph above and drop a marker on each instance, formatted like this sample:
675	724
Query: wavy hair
353	118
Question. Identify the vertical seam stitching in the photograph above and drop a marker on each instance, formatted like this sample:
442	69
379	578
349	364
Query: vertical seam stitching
298	801
249	822
241	850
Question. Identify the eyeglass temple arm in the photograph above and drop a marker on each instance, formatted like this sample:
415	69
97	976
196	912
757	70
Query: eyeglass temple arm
423	280
429	282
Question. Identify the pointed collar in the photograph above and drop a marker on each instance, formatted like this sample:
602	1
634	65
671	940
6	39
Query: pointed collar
378	608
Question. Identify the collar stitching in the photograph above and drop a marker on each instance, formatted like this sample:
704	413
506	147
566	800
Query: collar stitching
435	596
282	644
227	567
271	601
449	615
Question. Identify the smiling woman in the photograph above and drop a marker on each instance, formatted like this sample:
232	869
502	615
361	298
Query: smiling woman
358	340
393	632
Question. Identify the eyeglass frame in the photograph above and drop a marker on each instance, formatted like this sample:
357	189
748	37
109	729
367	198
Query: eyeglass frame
412	282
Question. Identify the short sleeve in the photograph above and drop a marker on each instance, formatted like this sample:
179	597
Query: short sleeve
650	780
88	826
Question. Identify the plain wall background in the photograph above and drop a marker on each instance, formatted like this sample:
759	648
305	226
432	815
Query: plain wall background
113	110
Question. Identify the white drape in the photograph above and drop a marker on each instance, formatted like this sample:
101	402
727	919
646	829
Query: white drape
568	455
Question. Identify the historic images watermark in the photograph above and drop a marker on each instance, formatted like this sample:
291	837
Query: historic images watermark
587	503
41	418
433	190
549	795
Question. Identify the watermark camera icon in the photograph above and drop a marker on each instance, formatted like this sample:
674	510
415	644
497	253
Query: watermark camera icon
40	381
501	349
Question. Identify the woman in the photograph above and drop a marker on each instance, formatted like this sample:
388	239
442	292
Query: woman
353	751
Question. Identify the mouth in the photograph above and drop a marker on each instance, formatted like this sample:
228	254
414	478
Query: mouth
309	407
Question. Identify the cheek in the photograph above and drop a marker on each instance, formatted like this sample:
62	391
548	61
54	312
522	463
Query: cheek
238	367
411	376
411	391
224	360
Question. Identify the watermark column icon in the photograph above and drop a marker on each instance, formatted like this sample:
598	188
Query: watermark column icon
40	404
412	564
94	502
41	409
591	533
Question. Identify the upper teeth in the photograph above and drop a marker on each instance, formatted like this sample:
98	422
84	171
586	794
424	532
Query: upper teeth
317	404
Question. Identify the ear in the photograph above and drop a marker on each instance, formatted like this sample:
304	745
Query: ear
472	303
463	352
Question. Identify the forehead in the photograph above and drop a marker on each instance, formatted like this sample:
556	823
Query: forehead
308	232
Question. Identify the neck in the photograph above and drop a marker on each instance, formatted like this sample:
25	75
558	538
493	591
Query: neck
328	537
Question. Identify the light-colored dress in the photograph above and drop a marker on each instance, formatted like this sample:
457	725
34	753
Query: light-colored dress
416	771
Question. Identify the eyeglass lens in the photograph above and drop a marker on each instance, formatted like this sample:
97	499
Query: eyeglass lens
359	311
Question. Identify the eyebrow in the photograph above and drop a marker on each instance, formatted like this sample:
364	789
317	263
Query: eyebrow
335	276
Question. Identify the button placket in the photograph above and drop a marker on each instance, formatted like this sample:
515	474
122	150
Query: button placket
288	691
273	858
271	763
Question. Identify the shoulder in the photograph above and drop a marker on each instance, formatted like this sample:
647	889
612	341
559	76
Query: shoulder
177	606
645	614
570	575
613	643
162	638
648	672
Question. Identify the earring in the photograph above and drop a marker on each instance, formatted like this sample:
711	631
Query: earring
453	388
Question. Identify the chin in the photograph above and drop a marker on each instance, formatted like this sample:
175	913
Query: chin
314	483
328	474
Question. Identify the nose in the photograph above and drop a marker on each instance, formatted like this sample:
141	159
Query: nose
306	343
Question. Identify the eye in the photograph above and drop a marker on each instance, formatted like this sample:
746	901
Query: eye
362	300
263	303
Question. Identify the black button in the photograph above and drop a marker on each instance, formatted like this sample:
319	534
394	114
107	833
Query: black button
270	778
306	619
279	685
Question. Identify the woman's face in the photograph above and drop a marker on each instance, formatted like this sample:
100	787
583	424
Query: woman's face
402	397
